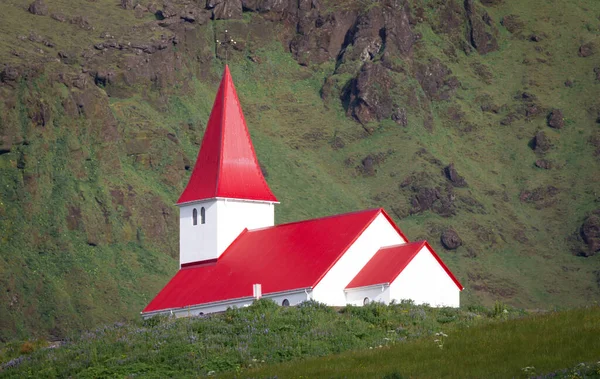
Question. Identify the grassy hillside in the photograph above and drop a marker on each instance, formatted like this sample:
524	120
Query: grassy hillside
401	339
102	114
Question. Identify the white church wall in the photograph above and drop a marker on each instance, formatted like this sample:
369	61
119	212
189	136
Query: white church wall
357	296
224	220
236	215
330	290
197	242
425	281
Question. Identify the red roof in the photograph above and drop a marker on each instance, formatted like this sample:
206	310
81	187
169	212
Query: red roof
389	262
280	258
226	165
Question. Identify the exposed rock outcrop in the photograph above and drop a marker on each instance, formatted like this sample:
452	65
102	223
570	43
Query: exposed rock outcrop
454	177
482	32
436	80
225	9
368	95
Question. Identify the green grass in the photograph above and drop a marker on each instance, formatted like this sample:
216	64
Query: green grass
545	343
369	341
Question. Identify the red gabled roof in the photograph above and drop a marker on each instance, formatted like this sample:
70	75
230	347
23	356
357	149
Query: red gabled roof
226	165
281	258
389	262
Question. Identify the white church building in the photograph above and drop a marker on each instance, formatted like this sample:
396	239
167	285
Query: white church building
231	251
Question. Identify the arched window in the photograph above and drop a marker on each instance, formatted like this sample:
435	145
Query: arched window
285	303
366	301
195	217
202	215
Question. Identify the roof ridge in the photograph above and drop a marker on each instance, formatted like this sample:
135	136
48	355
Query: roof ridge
320	218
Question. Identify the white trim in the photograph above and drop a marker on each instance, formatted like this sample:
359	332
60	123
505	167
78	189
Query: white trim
226	199
372	286
228	301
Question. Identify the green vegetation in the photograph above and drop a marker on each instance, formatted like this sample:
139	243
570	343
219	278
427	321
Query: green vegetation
88	230
375	340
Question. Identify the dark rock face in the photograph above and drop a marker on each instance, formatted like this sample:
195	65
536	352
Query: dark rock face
38	7
225	9
450	239
481	29
556	119
397	34
368	96
435	79
590	231
454	177
424	199
586	50
541	143
386	27
319	37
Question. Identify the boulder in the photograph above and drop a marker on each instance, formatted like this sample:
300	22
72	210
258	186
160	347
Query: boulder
450	239
59	17
586	50
556	119
590	231
38	7
541	143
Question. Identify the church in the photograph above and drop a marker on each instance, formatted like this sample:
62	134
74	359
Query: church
231	252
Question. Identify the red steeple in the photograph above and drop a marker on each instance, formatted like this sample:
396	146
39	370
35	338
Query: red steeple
226	166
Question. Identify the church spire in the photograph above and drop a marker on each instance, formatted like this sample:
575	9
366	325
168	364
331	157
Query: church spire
226	166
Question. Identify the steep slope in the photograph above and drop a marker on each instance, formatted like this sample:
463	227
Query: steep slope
474	123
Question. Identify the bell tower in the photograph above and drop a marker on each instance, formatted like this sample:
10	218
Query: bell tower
227	191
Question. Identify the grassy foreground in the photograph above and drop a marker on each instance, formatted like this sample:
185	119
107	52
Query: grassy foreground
538	344
400	340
